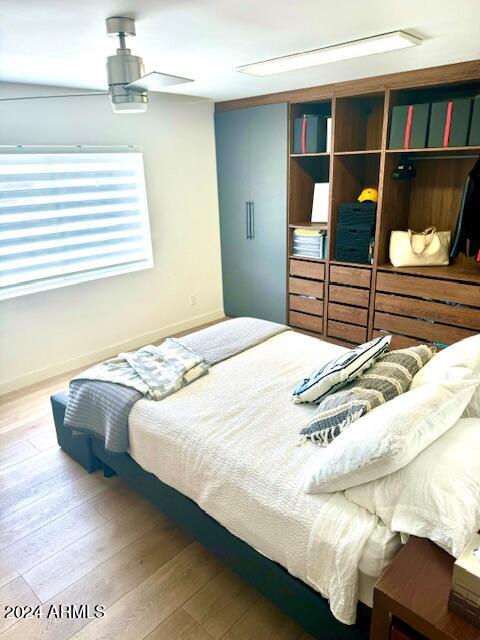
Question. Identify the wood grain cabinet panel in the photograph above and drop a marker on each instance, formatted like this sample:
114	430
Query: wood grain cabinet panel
306	305
350	276
411	597
306	287
344	313
348	332
348	295
305	321
305	269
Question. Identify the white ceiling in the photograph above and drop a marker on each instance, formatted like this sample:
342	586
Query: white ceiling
64	43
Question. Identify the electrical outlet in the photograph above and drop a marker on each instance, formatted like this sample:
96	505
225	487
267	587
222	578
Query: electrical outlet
193	300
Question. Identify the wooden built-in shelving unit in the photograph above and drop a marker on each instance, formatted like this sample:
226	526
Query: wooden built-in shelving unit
352	302
345	302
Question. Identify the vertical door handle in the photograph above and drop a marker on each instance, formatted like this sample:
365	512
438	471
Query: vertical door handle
252	219
247	219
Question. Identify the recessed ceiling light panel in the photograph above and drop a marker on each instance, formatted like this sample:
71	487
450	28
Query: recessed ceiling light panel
346	51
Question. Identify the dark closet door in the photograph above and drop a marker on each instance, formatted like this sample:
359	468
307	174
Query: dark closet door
268	153
234	193
252	184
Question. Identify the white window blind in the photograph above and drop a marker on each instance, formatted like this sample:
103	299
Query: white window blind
68	217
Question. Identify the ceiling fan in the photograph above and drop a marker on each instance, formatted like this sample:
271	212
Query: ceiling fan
128	84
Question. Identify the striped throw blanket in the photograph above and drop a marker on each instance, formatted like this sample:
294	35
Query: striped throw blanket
155	372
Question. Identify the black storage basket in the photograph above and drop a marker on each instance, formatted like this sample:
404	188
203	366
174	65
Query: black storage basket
357	213
352	243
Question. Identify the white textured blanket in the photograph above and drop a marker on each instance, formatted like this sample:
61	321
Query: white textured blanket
100	399
229	443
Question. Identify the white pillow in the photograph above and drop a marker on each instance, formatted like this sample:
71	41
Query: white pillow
436	496
459	360
338	372
389	437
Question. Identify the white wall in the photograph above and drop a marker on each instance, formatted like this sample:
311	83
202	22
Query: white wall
44	334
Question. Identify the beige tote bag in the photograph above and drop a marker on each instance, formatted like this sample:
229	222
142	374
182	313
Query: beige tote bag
413	249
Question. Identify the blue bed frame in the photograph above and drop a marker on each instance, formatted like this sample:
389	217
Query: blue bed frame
290	594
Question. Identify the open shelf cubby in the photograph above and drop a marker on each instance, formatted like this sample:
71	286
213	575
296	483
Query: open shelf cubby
351	174
322	108
359	123
431	198
429	95
304	173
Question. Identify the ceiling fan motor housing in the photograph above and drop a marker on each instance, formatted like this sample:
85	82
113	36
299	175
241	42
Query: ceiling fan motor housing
123	68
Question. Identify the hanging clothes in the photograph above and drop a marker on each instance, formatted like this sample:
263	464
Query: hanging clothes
466	238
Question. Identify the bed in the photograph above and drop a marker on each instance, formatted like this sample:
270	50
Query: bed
221	458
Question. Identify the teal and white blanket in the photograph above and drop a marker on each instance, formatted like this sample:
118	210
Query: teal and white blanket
155	372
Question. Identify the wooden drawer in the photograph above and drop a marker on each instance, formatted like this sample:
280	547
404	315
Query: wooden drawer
345	331
348	295
401	634
306	305
435	311
400	631
426	331
344	313
398	342
306	287
304	321
304	269
419	287
350	276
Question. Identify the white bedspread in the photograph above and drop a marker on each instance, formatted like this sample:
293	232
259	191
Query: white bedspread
229	442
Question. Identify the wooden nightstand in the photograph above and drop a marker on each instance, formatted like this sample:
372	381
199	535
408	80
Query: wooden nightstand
410	600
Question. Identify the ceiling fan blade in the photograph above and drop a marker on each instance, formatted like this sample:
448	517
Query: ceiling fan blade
156	81
60	95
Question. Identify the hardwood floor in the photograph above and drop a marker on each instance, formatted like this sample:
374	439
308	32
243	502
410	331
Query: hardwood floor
70	538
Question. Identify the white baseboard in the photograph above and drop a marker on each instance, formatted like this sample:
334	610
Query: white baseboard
87	359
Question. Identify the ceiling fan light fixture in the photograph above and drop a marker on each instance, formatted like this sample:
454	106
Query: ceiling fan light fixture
346	51
125	100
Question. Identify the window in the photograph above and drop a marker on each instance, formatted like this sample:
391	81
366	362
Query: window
70	216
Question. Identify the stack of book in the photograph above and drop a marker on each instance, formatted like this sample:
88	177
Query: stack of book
310	243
